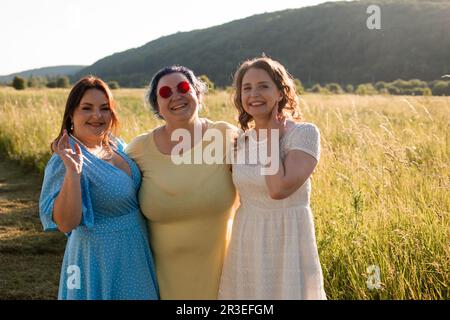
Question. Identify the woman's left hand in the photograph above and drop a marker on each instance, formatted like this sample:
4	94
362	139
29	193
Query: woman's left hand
277	121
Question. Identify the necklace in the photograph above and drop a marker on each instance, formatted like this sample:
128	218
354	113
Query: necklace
104	155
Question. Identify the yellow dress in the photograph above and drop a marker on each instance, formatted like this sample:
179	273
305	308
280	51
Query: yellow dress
188	207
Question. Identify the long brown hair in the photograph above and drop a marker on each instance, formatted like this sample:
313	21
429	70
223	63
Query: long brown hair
288	105
74	99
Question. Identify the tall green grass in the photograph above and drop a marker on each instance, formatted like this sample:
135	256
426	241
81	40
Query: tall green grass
381	192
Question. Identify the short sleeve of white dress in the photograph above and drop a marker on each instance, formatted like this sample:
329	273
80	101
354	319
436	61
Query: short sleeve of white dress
304	137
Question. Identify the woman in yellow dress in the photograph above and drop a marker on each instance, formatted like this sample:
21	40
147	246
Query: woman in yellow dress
188	206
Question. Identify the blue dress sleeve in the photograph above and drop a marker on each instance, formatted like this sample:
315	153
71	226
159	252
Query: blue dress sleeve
51	186
121	145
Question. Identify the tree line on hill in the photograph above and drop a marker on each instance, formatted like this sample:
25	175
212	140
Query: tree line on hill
413	87
21	83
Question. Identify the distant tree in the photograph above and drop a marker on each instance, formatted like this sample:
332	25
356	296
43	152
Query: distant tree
208	82
19	83
366	89
317	88
392	89
349	88
299	86
37	82
63	82
52	83
427	92
407	87
334	88
380	85
32	82
361	89
441	88
401	84
113	85
58	82
416	83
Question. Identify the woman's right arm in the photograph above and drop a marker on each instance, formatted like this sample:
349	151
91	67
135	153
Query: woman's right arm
67	208
68	204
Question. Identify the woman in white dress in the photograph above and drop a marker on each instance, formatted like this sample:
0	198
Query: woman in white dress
272	252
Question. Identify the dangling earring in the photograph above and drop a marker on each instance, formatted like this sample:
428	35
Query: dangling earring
71	127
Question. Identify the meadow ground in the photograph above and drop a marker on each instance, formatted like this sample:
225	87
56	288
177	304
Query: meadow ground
380	192
30	259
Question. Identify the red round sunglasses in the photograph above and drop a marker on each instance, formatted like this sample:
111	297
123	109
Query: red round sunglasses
166	92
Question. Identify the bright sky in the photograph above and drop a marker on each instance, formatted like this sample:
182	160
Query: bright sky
42	33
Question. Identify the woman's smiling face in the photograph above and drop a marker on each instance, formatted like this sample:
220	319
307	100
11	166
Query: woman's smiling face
178	106
92	118
259	93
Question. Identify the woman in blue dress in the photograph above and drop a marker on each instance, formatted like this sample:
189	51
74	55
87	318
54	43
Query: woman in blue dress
90	193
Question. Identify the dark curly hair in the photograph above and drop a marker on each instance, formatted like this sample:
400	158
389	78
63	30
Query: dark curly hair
288	105
151	97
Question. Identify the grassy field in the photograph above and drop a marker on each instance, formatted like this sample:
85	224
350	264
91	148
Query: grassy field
381	192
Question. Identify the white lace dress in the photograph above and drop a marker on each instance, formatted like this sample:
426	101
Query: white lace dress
272	253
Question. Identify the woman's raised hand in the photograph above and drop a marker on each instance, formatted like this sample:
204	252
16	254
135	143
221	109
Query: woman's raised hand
277	121
73	160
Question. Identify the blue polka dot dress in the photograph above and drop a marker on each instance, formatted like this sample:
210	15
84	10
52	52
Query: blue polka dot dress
107	256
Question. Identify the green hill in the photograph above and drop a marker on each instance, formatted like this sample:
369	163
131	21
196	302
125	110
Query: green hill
44	72
325	43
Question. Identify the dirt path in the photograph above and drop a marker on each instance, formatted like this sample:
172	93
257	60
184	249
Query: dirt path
30	259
